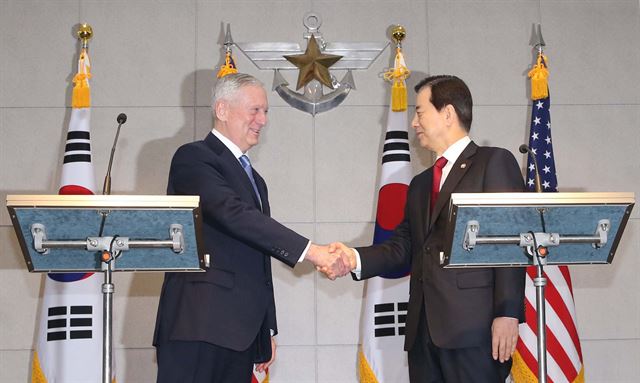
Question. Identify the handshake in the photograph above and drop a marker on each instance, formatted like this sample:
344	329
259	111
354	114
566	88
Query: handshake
334	260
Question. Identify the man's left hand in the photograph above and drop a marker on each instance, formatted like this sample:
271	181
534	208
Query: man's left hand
504	338
262	367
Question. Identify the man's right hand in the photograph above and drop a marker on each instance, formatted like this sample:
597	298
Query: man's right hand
331	261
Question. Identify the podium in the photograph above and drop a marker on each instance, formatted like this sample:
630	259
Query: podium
107	233
535	229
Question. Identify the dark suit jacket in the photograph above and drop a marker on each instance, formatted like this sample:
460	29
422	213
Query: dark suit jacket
460	304
232	302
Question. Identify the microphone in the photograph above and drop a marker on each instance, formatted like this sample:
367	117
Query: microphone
526	149
106	187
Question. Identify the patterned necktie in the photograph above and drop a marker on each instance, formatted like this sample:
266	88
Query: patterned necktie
246	165
437	176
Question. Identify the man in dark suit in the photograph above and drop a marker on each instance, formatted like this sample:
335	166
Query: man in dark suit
462	324
213	326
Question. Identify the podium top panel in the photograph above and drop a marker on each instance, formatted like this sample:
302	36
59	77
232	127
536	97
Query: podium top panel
54	231
523	199
496	221
93	201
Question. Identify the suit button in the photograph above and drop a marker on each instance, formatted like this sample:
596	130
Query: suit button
420	279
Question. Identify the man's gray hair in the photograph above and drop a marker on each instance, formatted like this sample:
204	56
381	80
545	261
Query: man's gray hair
227	86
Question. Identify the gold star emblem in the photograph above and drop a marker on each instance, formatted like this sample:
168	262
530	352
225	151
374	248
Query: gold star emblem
313	64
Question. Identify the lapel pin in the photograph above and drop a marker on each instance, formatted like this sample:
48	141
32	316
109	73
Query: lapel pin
462	166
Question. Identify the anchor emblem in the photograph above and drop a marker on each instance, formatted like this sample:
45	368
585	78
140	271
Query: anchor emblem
313	65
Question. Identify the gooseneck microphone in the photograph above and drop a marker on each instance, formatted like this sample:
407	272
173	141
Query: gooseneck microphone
106	187
526	149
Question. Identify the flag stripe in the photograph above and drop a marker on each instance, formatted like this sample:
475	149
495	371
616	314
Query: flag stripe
70	158
383	307
556	323
84	334
396	146
562	286
554	374
384	319
389	331
56	323
395	157
60	310
81	322
555	350
77	146
53	336
81	309
78	135
529	347
397	134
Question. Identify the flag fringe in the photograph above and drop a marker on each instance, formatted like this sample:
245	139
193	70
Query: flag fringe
520	372
580	377
366	373
37	376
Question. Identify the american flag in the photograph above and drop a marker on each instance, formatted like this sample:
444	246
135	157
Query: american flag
541	145
564	355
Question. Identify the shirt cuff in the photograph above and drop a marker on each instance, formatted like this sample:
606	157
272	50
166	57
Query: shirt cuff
358	270
304	253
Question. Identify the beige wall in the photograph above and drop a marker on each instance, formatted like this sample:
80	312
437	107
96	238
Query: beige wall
154	61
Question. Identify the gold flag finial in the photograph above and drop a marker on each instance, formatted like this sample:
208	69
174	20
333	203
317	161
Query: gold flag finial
398	33
399	73
85	33
81	97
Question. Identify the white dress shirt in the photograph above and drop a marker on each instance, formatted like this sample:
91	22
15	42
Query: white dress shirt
451	154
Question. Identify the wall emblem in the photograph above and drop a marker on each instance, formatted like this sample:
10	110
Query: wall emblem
314	66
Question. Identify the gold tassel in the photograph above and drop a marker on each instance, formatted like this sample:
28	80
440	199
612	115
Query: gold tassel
397	75
81	97
539	75
229	66
398	96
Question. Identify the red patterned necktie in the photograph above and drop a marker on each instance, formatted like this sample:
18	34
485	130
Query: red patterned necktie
437	176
